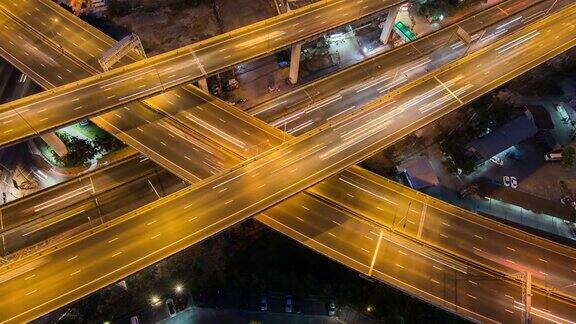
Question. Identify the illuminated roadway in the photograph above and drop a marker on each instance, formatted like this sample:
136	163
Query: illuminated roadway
75	205
293	227
157	73
134	117
144	129
252	198
217	113
312	104
503	256
147	131
134	124
138	126
344	91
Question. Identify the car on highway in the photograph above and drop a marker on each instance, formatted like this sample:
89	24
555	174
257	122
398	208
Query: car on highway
506	181
288	306
264	303
171	307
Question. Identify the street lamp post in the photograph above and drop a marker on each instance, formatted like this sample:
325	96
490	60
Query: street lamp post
55	20
395	213
552	6
154	300
178	288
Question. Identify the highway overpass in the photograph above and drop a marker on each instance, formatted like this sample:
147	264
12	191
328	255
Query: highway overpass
207	57
287	153
144	129
238	122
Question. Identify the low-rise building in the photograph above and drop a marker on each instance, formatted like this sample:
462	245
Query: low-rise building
500	139
94	7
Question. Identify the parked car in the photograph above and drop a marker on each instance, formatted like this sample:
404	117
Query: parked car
497	160
506	181
513	182
553	156
288	307
567	200
170	307
264	303
331	307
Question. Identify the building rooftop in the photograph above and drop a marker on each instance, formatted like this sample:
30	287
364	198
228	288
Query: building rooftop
419	172
502	138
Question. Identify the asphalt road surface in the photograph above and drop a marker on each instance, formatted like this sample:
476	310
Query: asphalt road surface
330	149
156	74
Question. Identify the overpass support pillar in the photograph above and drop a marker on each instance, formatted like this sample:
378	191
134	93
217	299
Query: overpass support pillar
527	298
6	71
55	143
388	25
295	62
203	84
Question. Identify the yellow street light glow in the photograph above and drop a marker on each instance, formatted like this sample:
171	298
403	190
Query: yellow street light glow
154	300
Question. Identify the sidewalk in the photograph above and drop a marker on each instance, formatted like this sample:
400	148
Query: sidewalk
199	315
505	211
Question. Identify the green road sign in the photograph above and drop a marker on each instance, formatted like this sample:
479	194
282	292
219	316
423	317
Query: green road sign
404	31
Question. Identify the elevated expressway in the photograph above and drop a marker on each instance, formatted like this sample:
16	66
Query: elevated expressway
176	67
176	105
197	99
54	214
135	124
353	180
219	113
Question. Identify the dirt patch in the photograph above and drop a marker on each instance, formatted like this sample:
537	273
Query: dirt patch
238	13
162	28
